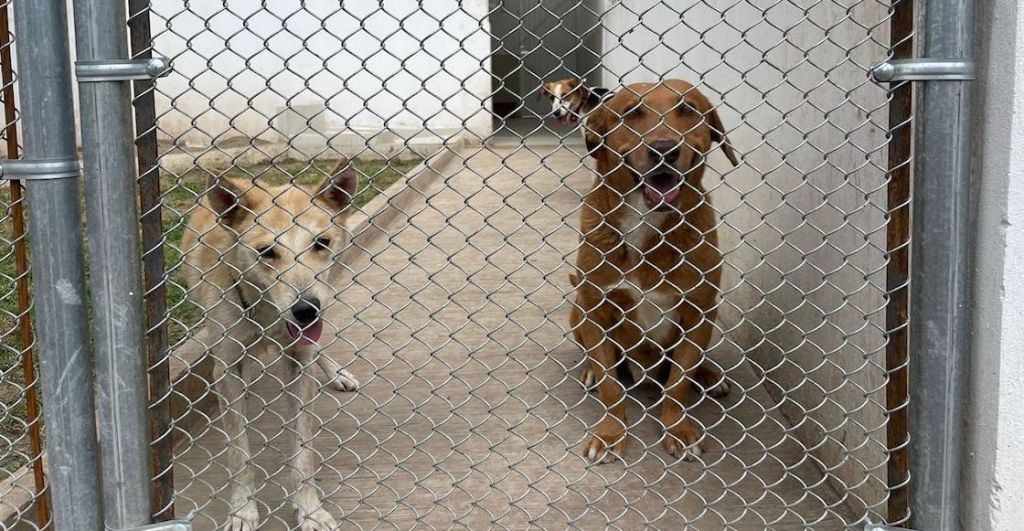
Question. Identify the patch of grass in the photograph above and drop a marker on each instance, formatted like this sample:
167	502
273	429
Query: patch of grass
14	442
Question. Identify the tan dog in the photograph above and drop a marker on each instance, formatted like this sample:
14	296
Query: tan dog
649	266
261	262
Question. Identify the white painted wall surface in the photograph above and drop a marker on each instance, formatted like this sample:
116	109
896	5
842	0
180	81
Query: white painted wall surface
803	217
993	490
358	68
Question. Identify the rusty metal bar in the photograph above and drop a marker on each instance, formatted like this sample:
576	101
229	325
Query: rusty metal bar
898	267
154	286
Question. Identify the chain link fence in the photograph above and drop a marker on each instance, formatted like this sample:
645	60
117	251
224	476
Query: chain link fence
484	263
454	314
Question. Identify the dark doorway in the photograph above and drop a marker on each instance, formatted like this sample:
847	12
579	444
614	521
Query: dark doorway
534	41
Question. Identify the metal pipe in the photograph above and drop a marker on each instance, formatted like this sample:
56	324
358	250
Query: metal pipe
28	364
939	257
116	269
55	227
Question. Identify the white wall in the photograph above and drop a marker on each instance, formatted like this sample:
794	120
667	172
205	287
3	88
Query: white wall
398	68
993	492
803	225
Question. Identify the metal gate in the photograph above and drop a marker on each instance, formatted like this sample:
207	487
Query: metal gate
487	263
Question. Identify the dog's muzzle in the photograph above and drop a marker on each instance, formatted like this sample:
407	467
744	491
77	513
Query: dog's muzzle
563	115
305	324
662	183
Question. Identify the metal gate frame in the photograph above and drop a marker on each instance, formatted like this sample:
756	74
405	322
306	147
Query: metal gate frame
937	251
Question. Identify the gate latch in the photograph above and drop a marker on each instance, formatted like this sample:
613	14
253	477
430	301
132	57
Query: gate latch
923	70
122	70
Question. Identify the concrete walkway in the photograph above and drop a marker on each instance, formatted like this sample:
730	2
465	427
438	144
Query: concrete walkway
470	414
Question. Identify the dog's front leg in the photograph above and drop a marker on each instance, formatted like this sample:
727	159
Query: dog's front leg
302	389
229	384
609	438
682	437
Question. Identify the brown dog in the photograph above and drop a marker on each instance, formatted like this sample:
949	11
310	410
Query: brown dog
649	265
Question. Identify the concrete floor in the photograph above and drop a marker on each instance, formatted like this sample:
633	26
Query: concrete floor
470	414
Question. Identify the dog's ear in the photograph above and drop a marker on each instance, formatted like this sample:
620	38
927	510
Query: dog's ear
338	189
718	135
597	126
225	198
545	90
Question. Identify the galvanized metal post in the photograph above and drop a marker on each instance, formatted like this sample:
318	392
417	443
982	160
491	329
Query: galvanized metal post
939	269
55	225
116	270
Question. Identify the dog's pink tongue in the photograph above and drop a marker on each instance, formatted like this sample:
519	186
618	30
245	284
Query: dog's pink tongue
308	335
655	195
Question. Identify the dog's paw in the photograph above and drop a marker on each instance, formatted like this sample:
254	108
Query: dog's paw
318	520
246	517
683	445
597	450
588	378
344	381
712	381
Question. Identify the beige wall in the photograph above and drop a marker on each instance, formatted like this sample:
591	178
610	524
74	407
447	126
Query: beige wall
803	225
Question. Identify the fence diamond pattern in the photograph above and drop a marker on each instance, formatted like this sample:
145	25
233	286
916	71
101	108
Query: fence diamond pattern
454	312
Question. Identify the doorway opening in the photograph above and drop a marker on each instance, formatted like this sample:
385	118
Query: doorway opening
533	42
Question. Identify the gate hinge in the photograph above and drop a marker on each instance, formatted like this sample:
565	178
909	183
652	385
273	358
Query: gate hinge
122	70
38	169
923	70
171	525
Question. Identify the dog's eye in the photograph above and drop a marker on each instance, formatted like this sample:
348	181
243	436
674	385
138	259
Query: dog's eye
267	252
685	108
322	244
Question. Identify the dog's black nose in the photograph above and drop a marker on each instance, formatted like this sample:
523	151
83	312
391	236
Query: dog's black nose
306	310
664	149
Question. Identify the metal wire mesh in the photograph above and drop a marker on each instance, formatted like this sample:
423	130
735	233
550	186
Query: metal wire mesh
454	310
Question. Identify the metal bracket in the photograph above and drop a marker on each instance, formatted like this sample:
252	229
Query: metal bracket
923	70
122	70
172	525
39	170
